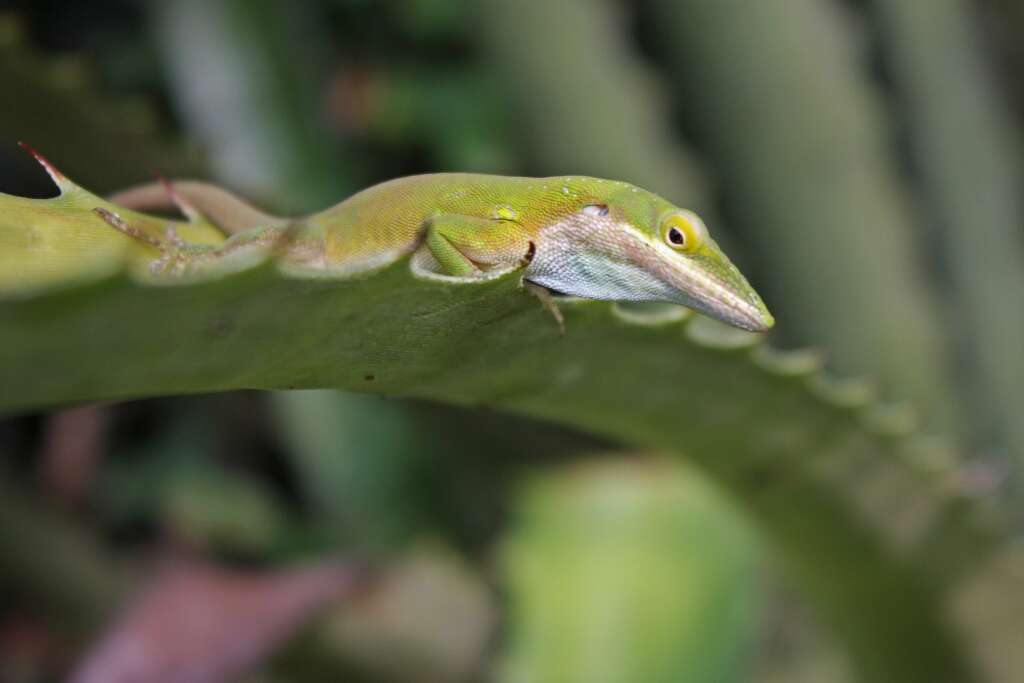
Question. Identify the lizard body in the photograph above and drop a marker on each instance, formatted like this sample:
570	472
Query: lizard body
577	235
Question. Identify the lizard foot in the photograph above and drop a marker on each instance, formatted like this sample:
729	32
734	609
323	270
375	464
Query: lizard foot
548	301
175	255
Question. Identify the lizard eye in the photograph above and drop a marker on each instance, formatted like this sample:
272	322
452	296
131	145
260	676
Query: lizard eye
595	209
684	231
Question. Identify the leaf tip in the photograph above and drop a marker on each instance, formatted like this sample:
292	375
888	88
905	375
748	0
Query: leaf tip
59	179
712	334
843	393
894	419
795	363
931	454
650	315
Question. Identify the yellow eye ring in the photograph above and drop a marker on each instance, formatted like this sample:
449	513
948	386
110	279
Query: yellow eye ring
683	230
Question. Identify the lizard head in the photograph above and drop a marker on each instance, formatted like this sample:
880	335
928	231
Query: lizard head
622	243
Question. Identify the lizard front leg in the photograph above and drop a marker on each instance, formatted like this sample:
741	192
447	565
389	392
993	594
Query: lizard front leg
467	245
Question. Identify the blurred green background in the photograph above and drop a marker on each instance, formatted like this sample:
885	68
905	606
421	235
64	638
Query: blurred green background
860	160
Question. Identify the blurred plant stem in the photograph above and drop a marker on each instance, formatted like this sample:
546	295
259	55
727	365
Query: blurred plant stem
973	186
778	94
249	77
588	104
354	455
628	571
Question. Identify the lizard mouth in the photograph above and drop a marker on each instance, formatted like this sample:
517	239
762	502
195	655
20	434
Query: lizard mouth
717	290
722	302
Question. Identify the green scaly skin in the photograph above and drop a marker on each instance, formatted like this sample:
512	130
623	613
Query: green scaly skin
588	237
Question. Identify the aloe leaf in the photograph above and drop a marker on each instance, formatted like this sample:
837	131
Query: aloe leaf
831	479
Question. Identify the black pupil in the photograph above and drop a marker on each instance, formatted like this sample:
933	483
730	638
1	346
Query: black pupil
676	237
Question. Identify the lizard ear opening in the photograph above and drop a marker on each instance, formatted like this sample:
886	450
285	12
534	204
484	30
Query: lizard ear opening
595	210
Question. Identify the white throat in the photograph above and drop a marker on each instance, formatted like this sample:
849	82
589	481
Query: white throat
590	257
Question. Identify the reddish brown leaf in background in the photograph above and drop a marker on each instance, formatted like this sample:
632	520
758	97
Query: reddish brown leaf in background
197	624
73	445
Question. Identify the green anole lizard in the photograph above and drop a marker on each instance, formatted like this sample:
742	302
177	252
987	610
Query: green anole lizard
575	235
